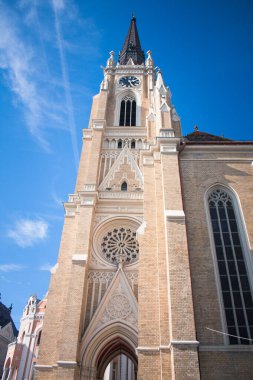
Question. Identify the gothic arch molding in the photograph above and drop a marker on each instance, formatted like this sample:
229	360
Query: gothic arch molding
104	344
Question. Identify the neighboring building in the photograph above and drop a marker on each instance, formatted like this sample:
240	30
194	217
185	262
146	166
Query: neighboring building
8	332
23	353
155	261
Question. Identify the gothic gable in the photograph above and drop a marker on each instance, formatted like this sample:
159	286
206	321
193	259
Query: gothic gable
126	169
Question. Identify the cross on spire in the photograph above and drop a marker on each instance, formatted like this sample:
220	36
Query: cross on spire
132	46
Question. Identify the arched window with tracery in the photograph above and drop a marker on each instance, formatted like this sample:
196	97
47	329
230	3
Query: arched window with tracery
232	267
128	111
124	186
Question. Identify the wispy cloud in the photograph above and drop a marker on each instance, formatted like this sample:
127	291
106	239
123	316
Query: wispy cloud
58	6
26	79
45	267
28	232
11	267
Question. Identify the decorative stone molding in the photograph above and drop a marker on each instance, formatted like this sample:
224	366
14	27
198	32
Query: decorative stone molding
98	124
120	195
90	187
174	214
133	278
141	229
119	307
124	157
103	277
167	133
69	212
87	134
88	202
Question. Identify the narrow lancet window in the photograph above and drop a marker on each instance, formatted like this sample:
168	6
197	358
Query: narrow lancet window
119	144
124	186
127	111
233	274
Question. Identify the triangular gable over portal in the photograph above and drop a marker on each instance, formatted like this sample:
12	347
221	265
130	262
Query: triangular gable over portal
118	305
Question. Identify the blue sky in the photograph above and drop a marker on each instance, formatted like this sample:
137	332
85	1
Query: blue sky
50	57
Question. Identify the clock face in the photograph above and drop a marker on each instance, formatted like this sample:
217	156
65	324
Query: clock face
129	81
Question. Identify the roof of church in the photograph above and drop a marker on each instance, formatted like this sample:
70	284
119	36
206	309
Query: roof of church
199	136
132	46
5	318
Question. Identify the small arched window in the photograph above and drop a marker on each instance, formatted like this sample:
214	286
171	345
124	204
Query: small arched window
124	186
128	111
133	144
232	268
119	144
39	337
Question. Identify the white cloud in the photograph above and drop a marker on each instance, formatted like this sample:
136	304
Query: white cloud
10	267
49	268
28	232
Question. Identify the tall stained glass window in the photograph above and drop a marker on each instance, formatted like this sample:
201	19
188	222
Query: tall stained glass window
233	272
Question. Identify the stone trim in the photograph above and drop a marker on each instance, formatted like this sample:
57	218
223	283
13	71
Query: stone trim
183	344
79	258
227	348
174	214
98	124
147	349
67	363
43	367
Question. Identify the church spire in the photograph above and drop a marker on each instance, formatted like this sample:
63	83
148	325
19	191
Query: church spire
132	46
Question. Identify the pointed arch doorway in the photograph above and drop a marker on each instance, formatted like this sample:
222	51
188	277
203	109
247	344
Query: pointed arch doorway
117	361
114	346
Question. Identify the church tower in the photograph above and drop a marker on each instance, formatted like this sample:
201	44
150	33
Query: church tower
122	284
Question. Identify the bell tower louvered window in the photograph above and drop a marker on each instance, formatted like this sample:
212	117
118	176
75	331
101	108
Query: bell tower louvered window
232	268
128	111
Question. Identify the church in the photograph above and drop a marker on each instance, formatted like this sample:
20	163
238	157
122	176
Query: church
155	272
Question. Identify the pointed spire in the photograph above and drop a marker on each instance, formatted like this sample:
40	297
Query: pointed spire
132	46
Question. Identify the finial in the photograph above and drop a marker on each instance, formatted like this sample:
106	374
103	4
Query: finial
149	60
133	16
10	308
196	128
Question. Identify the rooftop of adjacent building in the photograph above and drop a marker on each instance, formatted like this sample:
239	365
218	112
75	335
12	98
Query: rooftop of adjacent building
200	137
5	317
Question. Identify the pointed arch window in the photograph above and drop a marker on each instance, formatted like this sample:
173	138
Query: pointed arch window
232	267
124	186
128	111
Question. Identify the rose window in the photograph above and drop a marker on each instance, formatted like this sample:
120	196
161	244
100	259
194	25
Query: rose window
120	245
